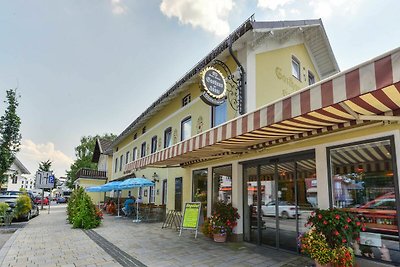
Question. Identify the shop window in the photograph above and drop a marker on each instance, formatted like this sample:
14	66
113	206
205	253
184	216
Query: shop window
127	157
143	150
219	114
186	100
186	128
154	144
168	137
368	192
134	154
120	162
222	184
311	78
199	179
116	165
296	68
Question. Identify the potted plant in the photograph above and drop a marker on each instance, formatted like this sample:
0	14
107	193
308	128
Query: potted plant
330	238
220	225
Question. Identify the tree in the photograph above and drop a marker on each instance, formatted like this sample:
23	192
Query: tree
84	155
45	166
10	137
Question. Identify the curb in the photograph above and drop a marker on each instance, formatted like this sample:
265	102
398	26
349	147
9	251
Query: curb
4	250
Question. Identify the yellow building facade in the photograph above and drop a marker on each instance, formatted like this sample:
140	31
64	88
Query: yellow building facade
299	135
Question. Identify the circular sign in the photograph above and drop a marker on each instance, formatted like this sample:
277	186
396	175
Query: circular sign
214	85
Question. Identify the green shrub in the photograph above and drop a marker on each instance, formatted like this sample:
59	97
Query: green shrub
23	205
82	211
73	203
3	208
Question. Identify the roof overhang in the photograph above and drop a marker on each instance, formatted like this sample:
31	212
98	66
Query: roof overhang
362	95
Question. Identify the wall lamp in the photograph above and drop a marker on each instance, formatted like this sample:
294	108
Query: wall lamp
155	176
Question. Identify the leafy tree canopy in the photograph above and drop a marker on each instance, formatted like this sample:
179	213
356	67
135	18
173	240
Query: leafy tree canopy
10	137
84	153
45	166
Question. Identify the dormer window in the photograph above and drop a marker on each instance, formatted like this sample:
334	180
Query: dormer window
186	100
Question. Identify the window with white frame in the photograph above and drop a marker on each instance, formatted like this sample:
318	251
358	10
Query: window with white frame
120	162
134	154
186	128
186	100
116	165
296	68
143	150
219	114
168	137
127	157
311	78
154	144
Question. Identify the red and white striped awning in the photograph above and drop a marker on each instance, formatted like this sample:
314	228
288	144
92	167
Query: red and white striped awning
366	93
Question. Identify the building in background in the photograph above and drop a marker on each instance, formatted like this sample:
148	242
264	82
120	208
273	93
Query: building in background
18	177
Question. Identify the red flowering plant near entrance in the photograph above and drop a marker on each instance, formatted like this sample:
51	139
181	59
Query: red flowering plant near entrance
222	221
339	230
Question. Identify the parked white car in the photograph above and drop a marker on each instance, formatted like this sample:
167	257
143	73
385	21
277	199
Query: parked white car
286	209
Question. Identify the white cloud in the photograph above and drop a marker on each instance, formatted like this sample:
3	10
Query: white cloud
317	8
32	154
209	15
272	4
118	7
325	9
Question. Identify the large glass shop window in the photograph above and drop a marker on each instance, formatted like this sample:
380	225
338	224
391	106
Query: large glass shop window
200	188
222	184
363	182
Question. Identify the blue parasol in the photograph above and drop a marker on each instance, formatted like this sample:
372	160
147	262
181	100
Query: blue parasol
136	182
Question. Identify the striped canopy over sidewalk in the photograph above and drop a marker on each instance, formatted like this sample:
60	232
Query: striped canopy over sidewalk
366	93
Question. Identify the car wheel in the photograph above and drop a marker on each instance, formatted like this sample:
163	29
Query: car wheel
285	215
28	217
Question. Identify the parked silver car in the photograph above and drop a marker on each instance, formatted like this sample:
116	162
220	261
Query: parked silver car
11	200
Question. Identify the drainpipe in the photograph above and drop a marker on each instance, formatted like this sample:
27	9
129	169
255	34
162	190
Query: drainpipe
242	82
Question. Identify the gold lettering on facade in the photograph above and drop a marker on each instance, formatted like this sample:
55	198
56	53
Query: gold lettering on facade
287	81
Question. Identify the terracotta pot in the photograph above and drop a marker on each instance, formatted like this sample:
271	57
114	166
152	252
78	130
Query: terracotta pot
317	264
219	238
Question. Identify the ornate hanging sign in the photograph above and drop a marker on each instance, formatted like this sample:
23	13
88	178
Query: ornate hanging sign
213	86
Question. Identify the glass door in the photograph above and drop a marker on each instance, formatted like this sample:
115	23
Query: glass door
284	191
250	199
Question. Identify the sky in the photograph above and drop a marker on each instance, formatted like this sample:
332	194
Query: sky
92	67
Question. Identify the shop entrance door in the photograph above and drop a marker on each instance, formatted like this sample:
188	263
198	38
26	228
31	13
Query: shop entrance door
278	188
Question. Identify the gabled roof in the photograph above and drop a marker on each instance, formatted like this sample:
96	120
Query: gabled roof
250	24
22	168
100	148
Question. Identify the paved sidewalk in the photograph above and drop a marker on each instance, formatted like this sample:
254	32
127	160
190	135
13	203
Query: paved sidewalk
49	241
154	246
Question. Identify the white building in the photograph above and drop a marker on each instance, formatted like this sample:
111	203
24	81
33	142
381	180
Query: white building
16	180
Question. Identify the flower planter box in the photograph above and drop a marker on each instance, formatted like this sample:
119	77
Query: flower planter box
219	238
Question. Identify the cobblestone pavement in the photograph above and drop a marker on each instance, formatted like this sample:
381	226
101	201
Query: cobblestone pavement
154	246
49	241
